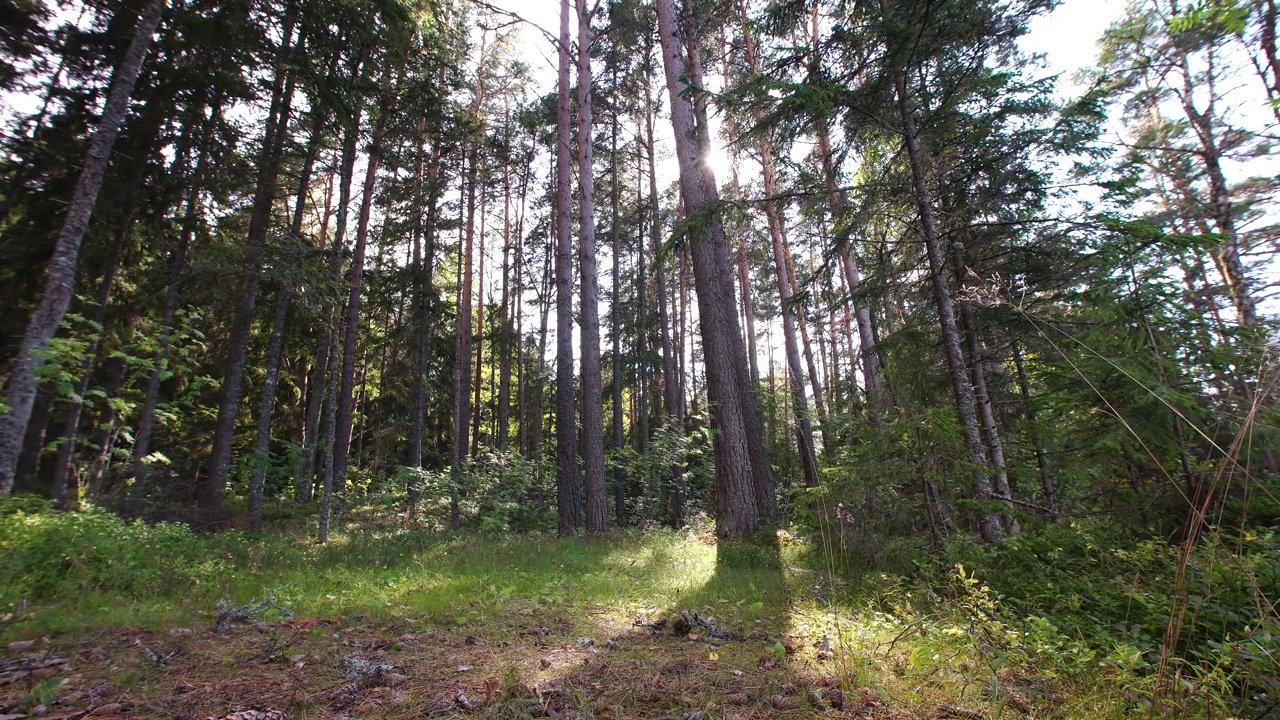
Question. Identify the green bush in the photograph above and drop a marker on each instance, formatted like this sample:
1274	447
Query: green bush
51	554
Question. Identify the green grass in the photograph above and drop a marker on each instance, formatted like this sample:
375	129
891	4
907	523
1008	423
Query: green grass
93	570
904	645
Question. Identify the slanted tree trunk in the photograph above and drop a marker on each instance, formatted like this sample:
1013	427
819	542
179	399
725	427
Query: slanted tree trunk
61	490
273	142
773	217
345	414
989	525
842	224
982	399
60	283
173	297
1233	271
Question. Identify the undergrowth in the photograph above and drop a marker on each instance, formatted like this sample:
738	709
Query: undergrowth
1063	621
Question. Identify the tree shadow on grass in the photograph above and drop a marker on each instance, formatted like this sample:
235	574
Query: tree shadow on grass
721	649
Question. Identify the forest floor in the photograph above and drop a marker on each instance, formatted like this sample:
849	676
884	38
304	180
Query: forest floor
410	625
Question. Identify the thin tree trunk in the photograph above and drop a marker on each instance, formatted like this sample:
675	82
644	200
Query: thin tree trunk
317	389
262	438
173	297
462	359
502	417
615	318
60	283
478	335
1219	201
329	387
345	416
213	491
989	525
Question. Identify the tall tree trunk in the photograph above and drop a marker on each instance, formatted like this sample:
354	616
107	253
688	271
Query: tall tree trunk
267	403
615	318
478	335
595	490
982	399
989	525
60	283
502	416
317	388
773	217
345	416
424	271
346	176
273	143
173	297
462	359
568	488
842	223
737	506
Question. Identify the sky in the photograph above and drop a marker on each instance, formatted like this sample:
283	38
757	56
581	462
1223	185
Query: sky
1067	36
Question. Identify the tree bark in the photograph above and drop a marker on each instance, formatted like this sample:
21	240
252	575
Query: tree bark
569	512
345	415
989	525
60	283
595	490
213	491
61	489
737	507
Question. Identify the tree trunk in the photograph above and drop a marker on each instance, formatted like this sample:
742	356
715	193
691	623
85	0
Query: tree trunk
173	297
990	430
569	512
477	336
502	416
346	176
238	345
737	507
60	283
852	276
595	490
345	415
1233	271
262	438
615	321
989	525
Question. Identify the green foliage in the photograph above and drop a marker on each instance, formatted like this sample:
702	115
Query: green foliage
49	555
1114	594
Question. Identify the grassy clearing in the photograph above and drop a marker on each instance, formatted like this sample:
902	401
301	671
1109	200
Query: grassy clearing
511	627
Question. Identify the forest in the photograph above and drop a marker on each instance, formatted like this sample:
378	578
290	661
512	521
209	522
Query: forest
687	359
